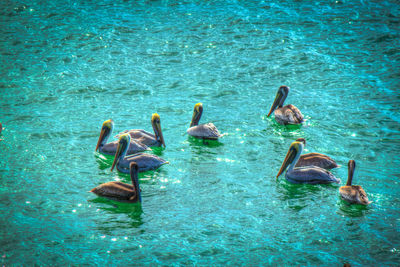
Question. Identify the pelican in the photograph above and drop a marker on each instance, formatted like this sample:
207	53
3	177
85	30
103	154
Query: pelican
315	159
111	148
145	161
307	175
202	131
353	194
121	191
147	138
288	114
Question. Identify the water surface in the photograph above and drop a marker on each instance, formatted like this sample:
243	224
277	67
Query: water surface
69	65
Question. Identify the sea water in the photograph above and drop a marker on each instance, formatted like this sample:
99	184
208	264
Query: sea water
67	66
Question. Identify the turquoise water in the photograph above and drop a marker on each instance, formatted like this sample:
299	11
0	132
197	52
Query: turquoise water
66	66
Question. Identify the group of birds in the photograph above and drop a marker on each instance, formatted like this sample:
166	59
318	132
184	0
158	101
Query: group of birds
311	168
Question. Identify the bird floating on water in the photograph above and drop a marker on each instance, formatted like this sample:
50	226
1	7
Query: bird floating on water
121	191
144	161
111	148
353	194
288	114
315	159
145	137
307	175
202	131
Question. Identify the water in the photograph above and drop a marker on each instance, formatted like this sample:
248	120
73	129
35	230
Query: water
69	65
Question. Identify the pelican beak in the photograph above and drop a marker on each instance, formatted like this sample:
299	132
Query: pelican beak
160	134
117	154
197	111
103	134
277	101
122	147
155	121
291	154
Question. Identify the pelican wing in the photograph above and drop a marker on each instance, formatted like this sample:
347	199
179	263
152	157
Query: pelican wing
134	133
207	131
316	159
142	137
115	190
288	114
354	194
134	147
144	161
311	175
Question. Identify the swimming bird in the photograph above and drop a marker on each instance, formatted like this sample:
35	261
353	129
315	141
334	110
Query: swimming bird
145	161
202	131
353	194
145	137
288	114
111	148
307	175
315	159
121	191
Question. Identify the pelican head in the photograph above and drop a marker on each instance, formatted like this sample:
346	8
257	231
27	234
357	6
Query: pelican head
122	148
134	170
292	156
155	122
280	97
197	111
105	133
351	167
301	140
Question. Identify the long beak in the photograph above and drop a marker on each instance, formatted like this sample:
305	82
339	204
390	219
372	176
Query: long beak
101	137
160	134
117	154
195	118
291	154
277	100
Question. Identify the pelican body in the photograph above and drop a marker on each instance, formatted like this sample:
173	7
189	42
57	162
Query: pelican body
306	175
121	191
110	148
144	161
202	131
288	114
353	194
145	137
315	159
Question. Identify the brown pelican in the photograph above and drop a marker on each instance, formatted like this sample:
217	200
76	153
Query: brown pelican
307	175
121	191
315	159
145	161
147	138
202	131
111	148
288	114
353	194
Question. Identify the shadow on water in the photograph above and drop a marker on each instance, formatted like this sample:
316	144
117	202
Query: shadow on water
282	130
193	141
104	161
298	195
158	150
351	210
133	210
